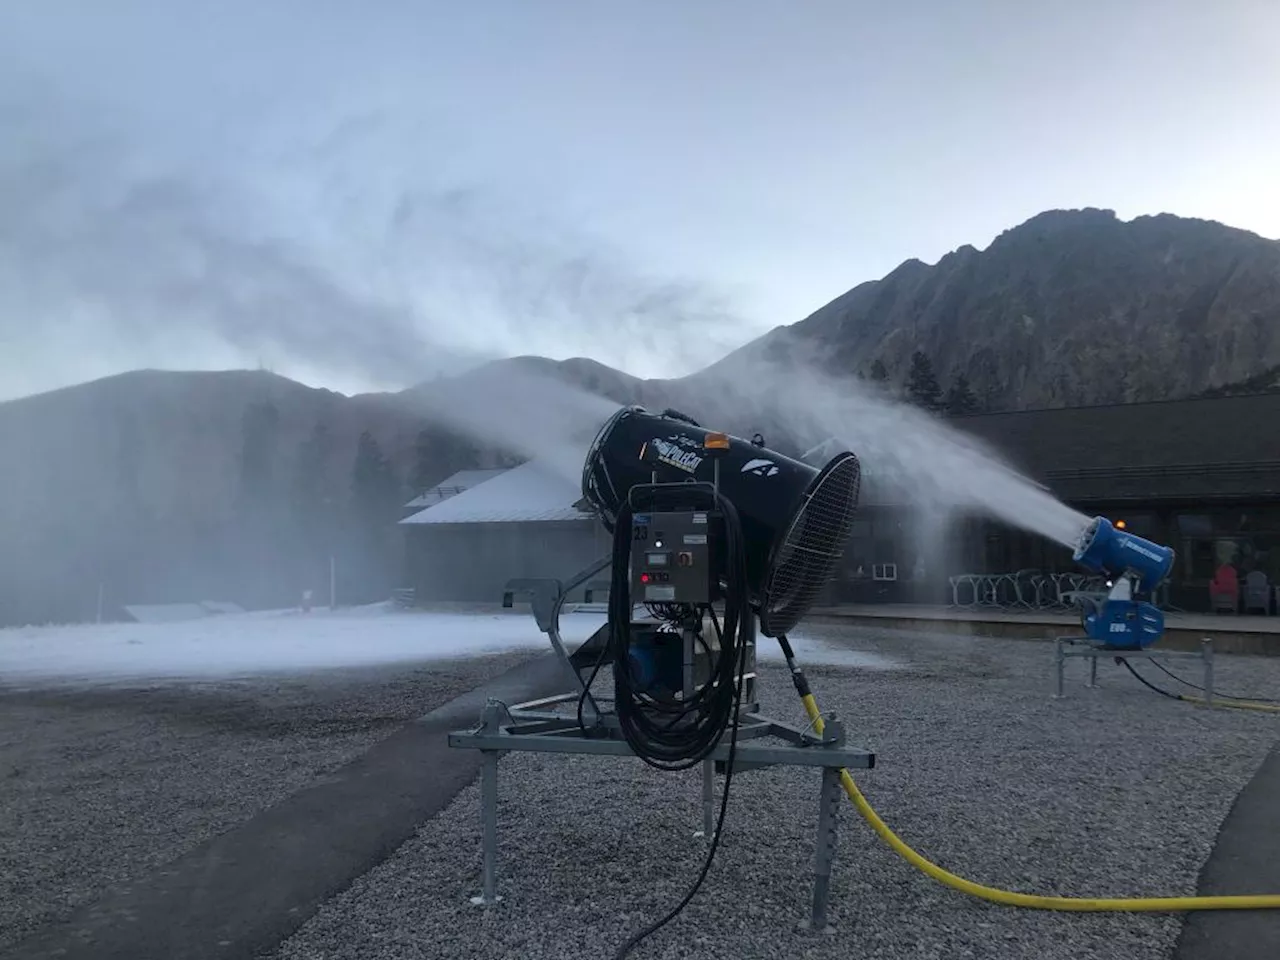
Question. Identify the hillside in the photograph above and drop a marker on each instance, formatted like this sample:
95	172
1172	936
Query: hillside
139	482
1071	307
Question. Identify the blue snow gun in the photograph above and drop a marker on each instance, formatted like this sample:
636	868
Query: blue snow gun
1133	566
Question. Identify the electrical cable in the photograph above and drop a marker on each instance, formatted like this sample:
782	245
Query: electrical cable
662	747
700	719
637	938
1226	696
1227	702
1008	897
1143	680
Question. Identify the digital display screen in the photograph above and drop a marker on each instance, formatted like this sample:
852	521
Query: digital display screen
656	559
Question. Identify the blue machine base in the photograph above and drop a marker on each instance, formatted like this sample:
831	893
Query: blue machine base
1124	624
656	660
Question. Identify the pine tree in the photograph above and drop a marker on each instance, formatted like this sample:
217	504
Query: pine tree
878	373
960	398
376	499
424	473
375	492
309	467
261	506
258	434
922	383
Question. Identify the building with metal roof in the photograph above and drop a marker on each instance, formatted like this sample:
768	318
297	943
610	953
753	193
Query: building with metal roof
531	492
450	487
525	522
1207	450
1202	476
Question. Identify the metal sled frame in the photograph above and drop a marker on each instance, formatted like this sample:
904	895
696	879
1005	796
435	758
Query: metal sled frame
536	727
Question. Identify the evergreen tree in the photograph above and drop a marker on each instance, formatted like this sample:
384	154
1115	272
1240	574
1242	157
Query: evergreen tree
991	401
316	512
424	472
259	542
258	435
309	467
878	373
922	383
375	493
375	507
960	398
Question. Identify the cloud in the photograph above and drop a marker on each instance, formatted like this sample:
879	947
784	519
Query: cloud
95	250
108	253
559	290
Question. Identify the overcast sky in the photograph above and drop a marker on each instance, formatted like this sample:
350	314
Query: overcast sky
360	194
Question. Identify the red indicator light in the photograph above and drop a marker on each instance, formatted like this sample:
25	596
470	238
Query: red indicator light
644	578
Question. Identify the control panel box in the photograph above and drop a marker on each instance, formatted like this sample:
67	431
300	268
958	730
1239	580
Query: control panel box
672	557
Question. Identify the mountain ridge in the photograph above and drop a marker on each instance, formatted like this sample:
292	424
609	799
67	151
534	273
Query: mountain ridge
142	470
1068	307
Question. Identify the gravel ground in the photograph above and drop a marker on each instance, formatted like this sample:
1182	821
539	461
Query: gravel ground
101	784
1110	792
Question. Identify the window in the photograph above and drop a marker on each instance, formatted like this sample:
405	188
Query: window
1198	560
1195	525
884	551
884	571
1243	537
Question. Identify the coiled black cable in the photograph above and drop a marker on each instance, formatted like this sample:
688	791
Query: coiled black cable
689	731
679	735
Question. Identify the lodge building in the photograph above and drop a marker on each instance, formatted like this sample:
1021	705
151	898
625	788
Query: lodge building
1201	476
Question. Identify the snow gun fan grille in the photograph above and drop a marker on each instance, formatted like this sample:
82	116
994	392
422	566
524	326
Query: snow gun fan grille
805	558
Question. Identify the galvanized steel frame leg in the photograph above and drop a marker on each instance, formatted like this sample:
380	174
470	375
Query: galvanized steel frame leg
1059	655
1206	651
489	827
1093	671
824	853
490	718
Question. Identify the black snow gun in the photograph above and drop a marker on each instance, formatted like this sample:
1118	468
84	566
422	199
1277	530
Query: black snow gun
1133	566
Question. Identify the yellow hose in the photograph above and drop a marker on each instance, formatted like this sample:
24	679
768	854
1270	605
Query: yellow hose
1233	704
1011	899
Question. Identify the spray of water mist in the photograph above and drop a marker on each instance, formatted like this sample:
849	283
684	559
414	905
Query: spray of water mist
939	470
904	449
112	258
521	411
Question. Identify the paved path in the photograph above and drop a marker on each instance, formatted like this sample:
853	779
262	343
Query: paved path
242	893
1245	859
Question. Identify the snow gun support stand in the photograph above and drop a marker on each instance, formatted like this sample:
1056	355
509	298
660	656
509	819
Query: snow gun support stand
1117	623
1067	648
539	727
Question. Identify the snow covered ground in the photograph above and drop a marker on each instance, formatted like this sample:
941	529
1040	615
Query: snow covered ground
122	746
255	644
288	641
